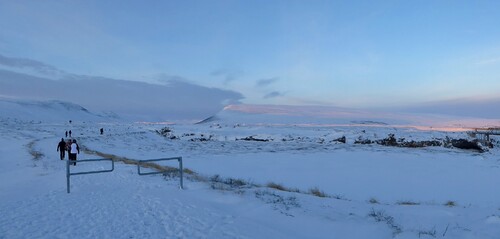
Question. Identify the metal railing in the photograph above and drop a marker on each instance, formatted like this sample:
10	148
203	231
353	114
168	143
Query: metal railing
69	173
143	163
163	169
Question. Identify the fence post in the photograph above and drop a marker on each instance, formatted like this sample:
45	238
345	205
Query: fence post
180	168
67	175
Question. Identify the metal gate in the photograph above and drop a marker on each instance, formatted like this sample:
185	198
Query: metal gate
140	163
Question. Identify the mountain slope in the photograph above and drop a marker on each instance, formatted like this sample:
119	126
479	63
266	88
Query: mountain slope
47	111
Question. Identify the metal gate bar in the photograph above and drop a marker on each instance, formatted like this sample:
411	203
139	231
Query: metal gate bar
69	173
179	159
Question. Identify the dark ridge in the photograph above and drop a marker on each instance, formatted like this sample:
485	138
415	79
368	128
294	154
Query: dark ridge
369	122
207	120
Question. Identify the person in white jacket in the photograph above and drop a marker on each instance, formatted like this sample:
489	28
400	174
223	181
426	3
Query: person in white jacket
74	149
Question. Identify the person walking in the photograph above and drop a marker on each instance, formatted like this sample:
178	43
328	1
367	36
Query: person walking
70	133
66	134
61	148
68	147
75	149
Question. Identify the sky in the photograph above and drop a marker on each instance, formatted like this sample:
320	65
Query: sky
339	53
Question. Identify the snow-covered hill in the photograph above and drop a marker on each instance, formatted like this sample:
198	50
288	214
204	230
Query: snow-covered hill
49	111
261	174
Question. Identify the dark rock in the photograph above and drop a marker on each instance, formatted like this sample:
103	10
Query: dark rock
466	144
341	140
251	138
389	141
363	141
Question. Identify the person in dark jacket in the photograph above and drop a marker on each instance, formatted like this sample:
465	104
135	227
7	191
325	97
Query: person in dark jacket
61	148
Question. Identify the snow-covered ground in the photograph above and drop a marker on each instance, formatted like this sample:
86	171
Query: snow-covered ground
244	180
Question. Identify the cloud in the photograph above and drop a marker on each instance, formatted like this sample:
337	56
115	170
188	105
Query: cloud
265	82
176	100
479	108
489	61
273	94
227	74
21	63
165	78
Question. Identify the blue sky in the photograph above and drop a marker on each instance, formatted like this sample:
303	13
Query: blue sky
339	53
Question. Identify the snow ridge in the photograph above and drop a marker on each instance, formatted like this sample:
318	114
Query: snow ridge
48	111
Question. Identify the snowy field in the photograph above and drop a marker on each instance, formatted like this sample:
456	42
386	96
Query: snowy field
245	181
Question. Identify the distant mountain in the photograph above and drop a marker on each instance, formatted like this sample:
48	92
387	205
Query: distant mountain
208	120
49	111
325	115
170	99
287	114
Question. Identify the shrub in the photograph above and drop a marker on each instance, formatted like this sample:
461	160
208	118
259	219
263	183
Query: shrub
381	216
373	201
228	184
431	232
408	203
450	204
279	202
165	132
188	171
316	192
36	155
282	188
277	186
